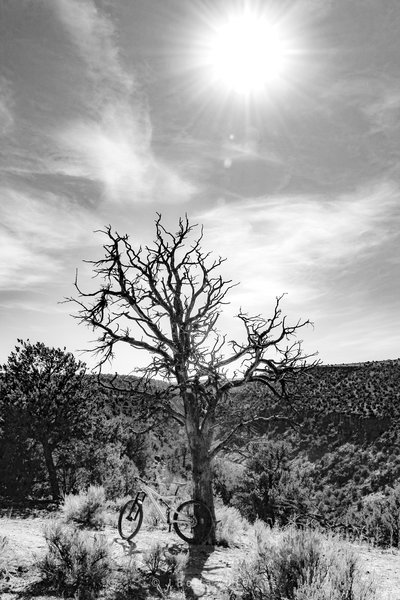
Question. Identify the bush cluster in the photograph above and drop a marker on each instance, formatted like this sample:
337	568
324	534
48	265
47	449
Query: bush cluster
78	564
299	565
272	485
343	490
377	518
75	564
231	526
85	509
161	576
4	543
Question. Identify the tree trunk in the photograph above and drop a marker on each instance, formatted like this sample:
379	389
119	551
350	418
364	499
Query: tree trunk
200	444
51	469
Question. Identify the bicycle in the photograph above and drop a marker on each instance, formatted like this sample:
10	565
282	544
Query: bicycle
192	520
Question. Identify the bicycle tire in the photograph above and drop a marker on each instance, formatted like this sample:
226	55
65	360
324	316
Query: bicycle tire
193	521
130	519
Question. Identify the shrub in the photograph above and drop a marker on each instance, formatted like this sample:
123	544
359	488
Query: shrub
85	509
227	475
3	558
75	563
299	565
377	518
165	569
96	462
150	516
273	487
131	584
161	576
231	526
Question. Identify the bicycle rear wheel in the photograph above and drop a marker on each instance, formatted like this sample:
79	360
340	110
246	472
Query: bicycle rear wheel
193	521
130	519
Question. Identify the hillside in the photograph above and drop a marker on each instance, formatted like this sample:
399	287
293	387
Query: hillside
367	390
341	453
337	461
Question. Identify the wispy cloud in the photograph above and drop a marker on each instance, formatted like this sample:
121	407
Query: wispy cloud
6	103
332	255
289	243
377	97
373	333
384	110
22	265
94	36
35	234
111	143
116	151
310	230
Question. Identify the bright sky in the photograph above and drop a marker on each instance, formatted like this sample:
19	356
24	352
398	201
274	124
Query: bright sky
288	153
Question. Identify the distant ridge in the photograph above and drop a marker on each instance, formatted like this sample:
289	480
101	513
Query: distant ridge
359	365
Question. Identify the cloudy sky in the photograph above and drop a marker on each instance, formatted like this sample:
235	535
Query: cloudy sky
112	110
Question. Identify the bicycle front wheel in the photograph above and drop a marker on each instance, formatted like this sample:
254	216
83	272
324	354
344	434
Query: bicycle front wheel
130	519
193	521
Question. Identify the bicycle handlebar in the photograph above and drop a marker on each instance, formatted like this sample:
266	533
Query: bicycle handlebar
140	479
177	483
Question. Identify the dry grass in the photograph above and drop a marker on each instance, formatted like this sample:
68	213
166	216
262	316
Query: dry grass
231	526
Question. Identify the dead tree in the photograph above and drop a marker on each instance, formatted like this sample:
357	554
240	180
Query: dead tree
166	299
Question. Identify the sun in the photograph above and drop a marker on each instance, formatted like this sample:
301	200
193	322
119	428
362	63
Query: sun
247	54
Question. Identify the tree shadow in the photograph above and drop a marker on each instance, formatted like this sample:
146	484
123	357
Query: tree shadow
196	582
32	590
129	547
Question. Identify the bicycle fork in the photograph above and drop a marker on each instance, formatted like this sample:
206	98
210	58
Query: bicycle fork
140	496
169	520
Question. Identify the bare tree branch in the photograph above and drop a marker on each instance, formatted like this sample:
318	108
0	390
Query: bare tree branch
166	299
258	419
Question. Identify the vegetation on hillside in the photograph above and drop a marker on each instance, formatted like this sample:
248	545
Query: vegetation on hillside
338	467
335	464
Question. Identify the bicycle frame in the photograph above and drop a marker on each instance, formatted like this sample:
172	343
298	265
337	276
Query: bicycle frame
157	500
191	519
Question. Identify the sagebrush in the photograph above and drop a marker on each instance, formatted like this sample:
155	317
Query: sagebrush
377	518
231	526
4	544
165	567
298	564
76	563
162	575
86	509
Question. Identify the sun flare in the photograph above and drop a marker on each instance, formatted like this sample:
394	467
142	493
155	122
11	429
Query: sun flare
247	54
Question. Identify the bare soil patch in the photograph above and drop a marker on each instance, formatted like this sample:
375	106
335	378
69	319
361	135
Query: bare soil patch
209	569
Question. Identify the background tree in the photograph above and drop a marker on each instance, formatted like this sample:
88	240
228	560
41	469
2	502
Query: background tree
166	299
45	398
275	485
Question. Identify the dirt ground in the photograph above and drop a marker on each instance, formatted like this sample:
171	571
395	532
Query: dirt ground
208	572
